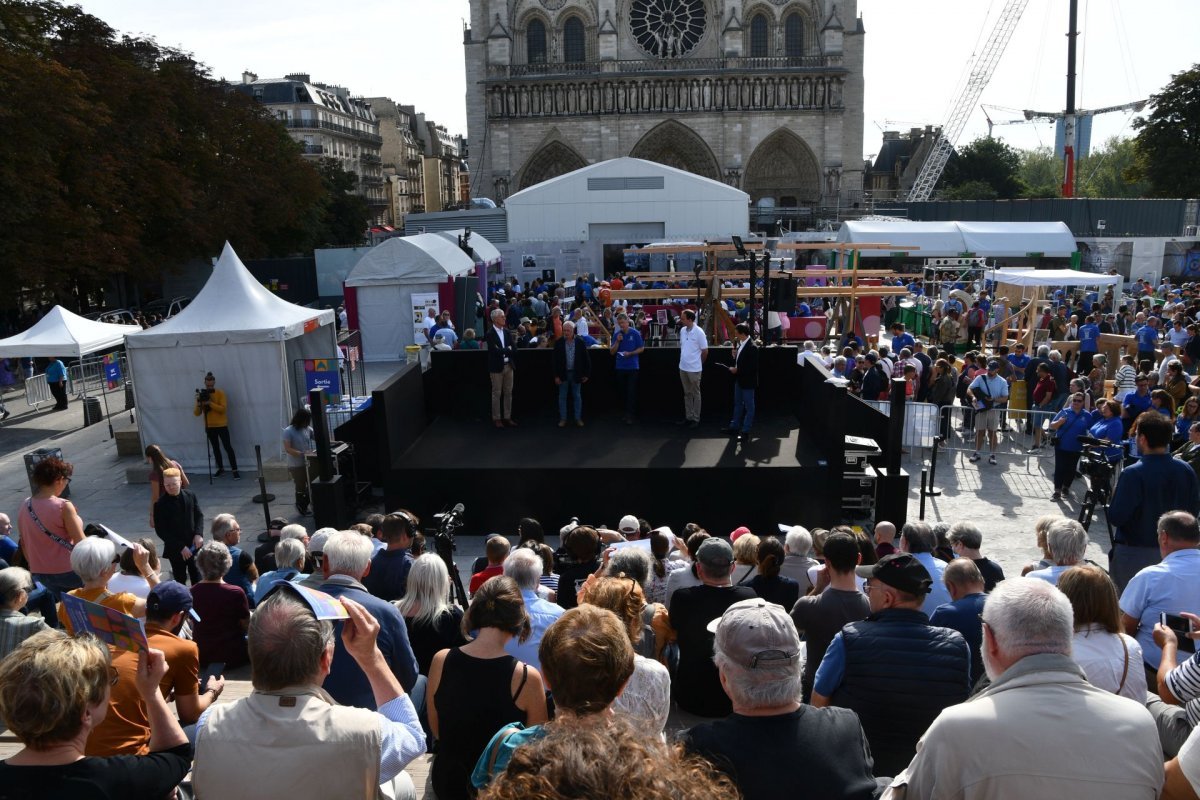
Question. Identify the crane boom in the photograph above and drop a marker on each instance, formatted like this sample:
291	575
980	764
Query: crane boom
982	69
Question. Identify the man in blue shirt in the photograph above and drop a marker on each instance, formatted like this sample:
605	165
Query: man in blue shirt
1019	362
225	528
388	576
626	346
56	378
952	304
964	611
1089	341
918	539
1147	340
900	338
1137	401
347	558
1156	484
524	566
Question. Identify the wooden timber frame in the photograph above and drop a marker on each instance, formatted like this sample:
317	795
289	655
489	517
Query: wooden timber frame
717	321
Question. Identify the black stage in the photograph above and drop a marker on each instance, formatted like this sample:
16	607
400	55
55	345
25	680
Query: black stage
433	444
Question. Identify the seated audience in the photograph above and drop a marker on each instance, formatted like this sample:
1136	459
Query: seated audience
687	576
289	560
95	562
1041	530
224	610
1110	659
578	557
772	745
388	576
16	584
965	539
497	548
315	549
130	579
54	690
966	586
798	560
918	539
525	568
1023	736
1067	542
242	572
336	751
768	583
745	557
638	565
477	688
434	624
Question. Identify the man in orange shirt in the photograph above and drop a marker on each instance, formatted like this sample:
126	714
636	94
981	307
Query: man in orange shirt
126	728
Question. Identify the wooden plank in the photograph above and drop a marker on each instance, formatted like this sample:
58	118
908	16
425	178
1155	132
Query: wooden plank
776	273
802	291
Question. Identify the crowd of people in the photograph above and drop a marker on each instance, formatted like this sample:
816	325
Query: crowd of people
898	662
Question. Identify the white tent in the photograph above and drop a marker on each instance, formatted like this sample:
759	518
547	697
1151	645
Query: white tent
66	335
483	251
948	239
1052	277
251	340
387	277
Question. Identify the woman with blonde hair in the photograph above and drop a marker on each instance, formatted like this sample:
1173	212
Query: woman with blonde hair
434	623
745	558
54	691
647	695
1111	659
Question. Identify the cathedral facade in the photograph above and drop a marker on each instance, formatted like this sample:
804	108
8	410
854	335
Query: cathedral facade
765	95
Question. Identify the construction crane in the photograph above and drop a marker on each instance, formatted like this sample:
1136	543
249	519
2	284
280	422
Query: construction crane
1055	116
993	122
982	69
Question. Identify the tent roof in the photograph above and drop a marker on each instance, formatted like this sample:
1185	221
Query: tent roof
485	252
424	258
62	333
233	307
1052	277
600	182
940	239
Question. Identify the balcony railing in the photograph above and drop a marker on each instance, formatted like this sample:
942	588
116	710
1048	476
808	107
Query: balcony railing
659	65
370	158
308	123
313	149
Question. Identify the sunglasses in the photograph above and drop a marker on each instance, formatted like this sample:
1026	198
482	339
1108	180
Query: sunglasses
113	676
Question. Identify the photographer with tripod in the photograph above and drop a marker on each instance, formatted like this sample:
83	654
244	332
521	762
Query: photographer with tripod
211	402
1147	489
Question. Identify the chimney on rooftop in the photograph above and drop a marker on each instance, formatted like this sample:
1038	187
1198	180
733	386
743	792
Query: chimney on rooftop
303	77
249	77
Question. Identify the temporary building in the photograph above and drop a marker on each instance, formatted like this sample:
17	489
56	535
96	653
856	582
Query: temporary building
949	239
382	285
253	342
1052	277
65	335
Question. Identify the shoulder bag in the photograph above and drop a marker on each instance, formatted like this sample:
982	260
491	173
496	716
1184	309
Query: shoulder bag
33	515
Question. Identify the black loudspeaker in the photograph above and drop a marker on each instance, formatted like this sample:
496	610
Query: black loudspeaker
783	294
463	312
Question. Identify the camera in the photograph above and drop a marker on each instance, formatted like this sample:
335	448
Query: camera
203	395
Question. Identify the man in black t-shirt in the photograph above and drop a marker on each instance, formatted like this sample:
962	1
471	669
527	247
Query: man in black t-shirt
772	746
966	539
388	577
697	686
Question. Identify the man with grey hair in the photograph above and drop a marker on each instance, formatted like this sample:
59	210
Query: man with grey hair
347	560
524	566
289	555
966	539
967	596
1067	541
797	557
225	529
339	751
572	369
918	539
1020	737
772	745
501	354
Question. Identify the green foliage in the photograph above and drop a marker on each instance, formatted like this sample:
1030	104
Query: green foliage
1107	171
345	214
125	157
971	190
986	161
1168	141
1041	173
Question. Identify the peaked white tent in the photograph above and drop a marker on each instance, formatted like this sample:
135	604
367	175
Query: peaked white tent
1052	277
252	342
948	239
63	334
483	251
386	278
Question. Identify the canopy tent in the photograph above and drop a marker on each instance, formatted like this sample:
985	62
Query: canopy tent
251	340
483	251
382	284
63	334
1052	277
948	239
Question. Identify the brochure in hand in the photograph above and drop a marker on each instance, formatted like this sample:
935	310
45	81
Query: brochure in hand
106	624
323	606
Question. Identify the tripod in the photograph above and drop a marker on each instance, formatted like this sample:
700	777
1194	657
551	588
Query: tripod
444	546
207	441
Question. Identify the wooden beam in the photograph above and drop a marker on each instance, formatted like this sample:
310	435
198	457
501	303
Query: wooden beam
687	275
803	291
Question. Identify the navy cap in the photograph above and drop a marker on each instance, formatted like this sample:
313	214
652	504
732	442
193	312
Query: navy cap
169	597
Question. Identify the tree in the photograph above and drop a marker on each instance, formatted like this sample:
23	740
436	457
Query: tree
988	161
1041	173
971	190
122	158
346	214
1108	171
1168	141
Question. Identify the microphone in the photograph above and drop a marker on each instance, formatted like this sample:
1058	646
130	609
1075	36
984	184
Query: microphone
458	509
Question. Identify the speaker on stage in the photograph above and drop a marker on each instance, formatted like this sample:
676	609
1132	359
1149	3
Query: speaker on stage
465	289
783	294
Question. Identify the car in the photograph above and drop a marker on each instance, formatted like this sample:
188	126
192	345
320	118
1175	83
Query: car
166	308
120	316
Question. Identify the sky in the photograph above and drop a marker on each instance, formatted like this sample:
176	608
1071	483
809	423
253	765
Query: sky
916	53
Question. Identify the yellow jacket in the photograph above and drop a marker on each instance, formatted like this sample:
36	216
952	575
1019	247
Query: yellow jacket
216	410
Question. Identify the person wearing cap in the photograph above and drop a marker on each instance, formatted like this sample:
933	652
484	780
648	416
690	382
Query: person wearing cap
894	669
989	395
314	558
125	729
630	528
1023	736
772	745
697	685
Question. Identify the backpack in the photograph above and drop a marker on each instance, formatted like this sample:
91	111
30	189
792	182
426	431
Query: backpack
976	318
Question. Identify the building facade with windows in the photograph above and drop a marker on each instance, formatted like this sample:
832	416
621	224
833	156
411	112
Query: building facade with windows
329	123
764	95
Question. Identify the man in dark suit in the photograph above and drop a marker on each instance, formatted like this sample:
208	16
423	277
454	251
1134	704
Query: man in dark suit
572	368
745	382
501	350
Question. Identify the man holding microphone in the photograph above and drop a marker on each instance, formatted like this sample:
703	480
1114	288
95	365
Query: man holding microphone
626	346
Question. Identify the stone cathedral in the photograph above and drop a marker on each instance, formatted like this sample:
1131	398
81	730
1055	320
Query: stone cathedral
765	95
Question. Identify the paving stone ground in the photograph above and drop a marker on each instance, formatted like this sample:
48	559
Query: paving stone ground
1004	500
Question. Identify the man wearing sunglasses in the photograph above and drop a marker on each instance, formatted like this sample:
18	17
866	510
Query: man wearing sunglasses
927	668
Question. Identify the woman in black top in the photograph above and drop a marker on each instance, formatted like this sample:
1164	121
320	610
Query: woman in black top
433	623
53	691
768	584
477	689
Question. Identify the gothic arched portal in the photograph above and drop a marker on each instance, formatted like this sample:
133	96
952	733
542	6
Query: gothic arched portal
678	146
783	166
552	160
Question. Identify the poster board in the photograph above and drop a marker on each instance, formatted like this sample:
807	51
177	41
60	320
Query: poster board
421	303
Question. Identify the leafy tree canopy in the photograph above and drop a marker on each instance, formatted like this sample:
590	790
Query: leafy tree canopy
1167	146
986	161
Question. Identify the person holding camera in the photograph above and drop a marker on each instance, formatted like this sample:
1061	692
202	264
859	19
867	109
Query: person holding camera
211	402
988	394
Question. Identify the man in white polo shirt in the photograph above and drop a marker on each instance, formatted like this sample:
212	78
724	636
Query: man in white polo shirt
693	350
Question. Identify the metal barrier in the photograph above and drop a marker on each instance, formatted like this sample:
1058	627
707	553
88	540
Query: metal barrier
37	391
1015	436
91	376
920	422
